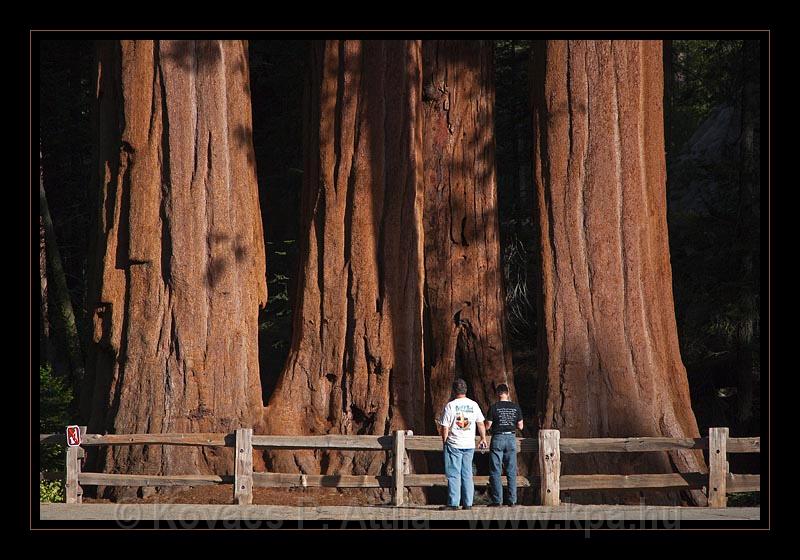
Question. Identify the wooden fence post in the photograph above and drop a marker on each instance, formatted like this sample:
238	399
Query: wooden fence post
399	464
243	467
549	467
717	467
407	460
73	468
74	493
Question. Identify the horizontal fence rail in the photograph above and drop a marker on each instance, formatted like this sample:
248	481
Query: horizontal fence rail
549	446
735	482
413	443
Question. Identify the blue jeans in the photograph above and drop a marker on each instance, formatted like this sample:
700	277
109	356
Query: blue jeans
504	454
458	470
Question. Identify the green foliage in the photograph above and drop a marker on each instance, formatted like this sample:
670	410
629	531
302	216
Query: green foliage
65	100
704	74
714	223
513	130
51	491
278	75
275	323
55	398
520	309
513	134
280	296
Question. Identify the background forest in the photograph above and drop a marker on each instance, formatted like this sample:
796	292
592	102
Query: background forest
712	126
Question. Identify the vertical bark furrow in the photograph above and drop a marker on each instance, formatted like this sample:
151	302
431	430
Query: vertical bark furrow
355	365
610	363
463	278
175	343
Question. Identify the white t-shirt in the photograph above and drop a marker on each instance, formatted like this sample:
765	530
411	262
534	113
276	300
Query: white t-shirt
460	415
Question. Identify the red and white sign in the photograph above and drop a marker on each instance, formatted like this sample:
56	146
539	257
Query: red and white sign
73	436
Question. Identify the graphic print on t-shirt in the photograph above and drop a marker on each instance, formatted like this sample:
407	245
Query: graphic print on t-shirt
460	416
462	421
504	416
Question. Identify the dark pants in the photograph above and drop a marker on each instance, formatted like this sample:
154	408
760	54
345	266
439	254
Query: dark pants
504	455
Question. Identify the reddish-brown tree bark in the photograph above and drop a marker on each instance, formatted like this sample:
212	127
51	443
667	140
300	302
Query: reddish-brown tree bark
609	358
465	332
177	251
355	365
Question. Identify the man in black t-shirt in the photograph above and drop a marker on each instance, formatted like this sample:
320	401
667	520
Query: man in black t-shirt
504	418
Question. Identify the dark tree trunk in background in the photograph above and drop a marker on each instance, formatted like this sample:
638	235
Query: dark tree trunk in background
45	346
355	365
609	358
465	298
65	327
177	251
44	320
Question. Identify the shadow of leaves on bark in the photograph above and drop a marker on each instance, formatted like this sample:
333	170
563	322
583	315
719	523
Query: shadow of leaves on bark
190	55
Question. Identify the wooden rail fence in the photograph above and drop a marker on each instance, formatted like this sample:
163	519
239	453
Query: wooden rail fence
719	482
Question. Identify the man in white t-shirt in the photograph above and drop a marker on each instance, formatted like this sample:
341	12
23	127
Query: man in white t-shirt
457	423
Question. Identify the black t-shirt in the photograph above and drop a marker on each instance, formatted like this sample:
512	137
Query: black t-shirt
504	416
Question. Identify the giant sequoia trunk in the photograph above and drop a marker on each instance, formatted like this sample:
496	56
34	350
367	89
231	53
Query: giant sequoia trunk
609	357
465	332
177	251
355	365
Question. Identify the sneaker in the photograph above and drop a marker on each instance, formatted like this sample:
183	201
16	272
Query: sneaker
494	505
511	505
467	507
